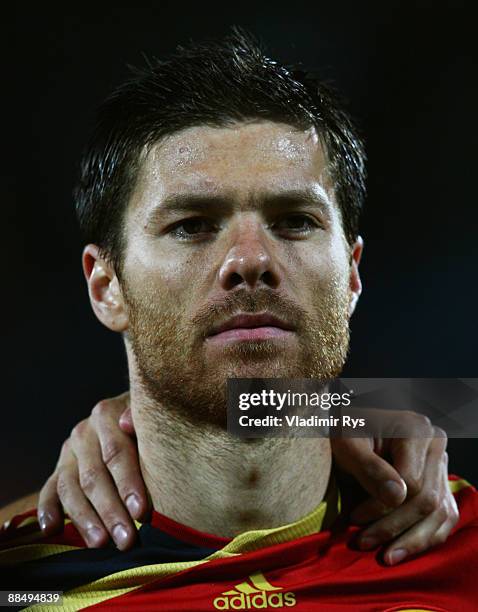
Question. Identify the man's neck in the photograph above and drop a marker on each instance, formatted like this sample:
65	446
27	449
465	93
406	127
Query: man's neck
202	477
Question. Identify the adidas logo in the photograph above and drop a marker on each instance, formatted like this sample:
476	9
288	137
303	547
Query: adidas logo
255	593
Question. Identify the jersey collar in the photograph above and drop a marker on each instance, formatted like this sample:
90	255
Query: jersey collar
320	518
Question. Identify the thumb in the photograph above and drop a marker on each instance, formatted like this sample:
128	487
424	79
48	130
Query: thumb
357	457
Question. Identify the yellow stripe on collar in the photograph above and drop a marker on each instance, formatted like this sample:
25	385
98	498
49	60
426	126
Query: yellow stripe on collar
318	519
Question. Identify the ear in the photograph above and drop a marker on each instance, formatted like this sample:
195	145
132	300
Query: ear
355	282
104	290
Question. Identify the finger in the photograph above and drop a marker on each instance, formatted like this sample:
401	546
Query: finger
408	458
126	422
400	520
419	538
49	511
77	506
96	483
357	457
369	511
431	507
120	455
409	454
429	532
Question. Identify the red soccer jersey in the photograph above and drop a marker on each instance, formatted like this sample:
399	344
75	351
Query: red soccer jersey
308	565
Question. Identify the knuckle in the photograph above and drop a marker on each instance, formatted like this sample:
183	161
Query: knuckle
88	479
423	423
453	514
111	450
101	409
416	417
429	502
78	430
442	512
426	421
414	485
440	440
65	447
62	487
385	533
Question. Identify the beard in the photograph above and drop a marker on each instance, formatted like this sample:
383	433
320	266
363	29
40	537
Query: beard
176	372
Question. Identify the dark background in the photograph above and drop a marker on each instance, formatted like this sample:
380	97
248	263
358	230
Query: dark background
409	74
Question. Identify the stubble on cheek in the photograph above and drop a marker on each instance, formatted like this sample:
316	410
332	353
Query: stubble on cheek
170	356
155	332
329	334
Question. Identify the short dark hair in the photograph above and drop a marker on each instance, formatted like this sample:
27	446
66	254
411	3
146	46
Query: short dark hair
212	83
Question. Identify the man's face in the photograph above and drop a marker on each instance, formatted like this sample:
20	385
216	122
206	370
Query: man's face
233	221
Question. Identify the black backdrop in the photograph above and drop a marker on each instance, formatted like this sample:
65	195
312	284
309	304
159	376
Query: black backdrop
408	72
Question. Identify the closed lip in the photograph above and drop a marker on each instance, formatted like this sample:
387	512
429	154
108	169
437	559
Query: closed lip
248	321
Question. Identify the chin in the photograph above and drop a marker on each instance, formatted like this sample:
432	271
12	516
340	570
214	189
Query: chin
254	366
253	355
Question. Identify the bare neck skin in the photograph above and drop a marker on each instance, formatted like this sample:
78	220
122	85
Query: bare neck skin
204	478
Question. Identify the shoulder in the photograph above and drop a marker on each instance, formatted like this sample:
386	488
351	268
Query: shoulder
460	486
466	497
17	507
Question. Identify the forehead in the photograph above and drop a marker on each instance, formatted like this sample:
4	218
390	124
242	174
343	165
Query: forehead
242	159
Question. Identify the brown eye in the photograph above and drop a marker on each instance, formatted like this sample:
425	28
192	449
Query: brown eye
296	224
191	228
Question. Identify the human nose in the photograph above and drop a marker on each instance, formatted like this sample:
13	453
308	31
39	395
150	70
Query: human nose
249	259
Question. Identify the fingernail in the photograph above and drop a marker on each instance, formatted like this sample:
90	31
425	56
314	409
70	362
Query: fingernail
45	519
132	503
94	535
391	489
397	555
368	543
120	535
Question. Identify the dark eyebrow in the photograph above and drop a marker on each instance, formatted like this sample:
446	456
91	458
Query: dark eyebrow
296	198
195	202
189	202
